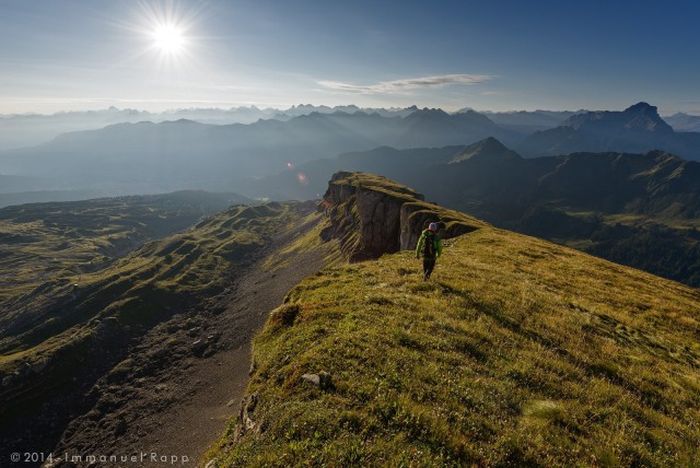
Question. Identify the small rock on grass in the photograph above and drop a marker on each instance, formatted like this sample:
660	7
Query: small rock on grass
322	380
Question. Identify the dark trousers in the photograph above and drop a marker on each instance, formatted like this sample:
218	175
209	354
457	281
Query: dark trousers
428	265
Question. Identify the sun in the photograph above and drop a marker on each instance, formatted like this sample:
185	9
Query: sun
168	39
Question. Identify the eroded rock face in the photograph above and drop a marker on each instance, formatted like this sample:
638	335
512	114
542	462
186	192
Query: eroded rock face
379	222
372	215
415	217
365	217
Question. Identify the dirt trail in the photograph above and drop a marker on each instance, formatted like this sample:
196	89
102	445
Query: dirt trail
174	402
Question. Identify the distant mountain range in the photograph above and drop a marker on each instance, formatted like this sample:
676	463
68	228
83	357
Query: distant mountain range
684	122
23	130
638	128
525	122
636	209
147	157
483	176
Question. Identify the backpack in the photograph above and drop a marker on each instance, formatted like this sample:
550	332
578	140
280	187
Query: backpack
429	247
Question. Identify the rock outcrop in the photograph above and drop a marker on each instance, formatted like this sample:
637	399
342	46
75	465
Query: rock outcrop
416	215
371	215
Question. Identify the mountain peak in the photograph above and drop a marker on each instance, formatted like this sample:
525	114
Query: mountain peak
182	121
491	143
642	108
488	149
641	117
645	117
431	111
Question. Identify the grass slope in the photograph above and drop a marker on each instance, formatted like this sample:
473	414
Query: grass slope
664	246
160	278
518	352
47	243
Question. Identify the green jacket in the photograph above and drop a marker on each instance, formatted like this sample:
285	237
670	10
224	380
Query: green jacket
421	243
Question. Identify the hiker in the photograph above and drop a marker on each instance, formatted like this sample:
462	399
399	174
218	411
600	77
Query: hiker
430	246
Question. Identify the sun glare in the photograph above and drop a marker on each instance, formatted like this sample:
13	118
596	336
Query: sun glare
168	39
167	32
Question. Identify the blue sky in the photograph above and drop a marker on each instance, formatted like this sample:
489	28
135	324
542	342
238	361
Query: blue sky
498	55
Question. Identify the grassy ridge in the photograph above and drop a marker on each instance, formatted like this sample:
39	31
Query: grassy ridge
518	352
49	243
162	277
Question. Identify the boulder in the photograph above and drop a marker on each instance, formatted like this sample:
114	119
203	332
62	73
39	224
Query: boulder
198	347
322	380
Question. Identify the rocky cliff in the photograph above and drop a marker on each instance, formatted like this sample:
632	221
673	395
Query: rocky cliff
371	215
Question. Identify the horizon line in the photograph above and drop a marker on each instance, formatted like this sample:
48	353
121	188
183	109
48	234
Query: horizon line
222	106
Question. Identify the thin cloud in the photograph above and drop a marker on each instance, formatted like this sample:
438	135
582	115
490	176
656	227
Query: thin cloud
407	84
